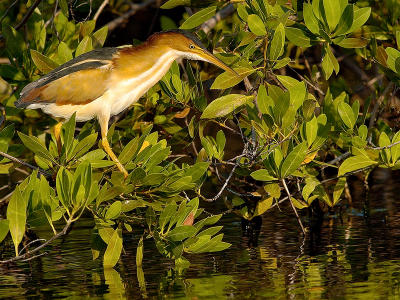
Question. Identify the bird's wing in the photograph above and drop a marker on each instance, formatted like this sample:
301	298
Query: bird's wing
79	81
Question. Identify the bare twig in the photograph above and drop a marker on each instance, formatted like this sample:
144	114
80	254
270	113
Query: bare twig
134	9
293	207
7	10
26	17
223	187
222	14
376	107
100	9
385	147
14	159
29	253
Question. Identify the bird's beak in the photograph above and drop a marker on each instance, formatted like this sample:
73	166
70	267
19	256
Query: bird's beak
212	59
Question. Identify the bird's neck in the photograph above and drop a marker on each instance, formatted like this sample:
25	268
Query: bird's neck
134	62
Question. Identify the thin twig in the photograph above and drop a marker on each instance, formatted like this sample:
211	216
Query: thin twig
223	187
29	253
26	17
293	207
384	147
376	107
101	7
134	9
7	10
24	163
222	14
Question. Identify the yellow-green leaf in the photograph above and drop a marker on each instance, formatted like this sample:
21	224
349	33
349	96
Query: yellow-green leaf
225	105
114	248
256	25
199	18
16	216
42	62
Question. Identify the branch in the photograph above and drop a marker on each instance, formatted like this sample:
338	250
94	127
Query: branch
102	6
29	253
26	17
376	106
222	14
385	147
223	187
134	9
293	207
14	159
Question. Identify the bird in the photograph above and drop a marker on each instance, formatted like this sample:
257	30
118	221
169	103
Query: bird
104	82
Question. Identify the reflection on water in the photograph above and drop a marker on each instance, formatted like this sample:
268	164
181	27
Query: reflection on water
353	255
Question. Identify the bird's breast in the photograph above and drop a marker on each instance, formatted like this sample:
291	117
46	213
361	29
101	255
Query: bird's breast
125	90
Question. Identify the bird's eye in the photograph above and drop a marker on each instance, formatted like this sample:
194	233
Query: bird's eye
191	46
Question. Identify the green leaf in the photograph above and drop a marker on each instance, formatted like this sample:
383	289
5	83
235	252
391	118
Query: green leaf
225	105
311	130
64	7
395	150
256	25
197	170
332	59
114	248
166	215
338	189
293	161
83	146
263	205
228	79
392	57
43	63
174	3
16	216
361	15
99	37
346	114
353	43
33	144
11	72
355	163
84	46
64	54
181	232
114	210
4	228
262	175
264	102
310	19
346	21
139	253
332	13
298	37
15	43
277	43
199	18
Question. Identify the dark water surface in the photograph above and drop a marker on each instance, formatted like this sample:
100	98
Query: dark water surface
354	254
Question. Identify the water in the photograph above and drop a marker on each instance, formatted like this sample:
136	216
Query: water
351	255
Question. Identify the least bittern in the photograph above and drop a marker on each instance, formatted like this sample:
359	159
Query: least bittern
104	82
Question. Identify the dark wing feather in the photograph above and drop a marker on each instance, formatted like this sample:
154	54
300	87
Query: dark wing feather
88	61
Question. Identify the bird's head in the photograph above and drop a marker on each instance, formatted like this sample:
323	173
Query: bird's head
188	46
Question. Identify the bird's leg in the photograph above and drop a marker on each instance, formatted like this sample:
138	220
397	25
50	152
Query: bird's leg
106	146
57	135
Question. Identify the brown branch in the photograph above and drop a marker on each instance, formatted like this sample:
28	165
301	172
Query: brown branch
134	9
293	207
376	107
222	14
14	159
26	17
100	9
29	253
